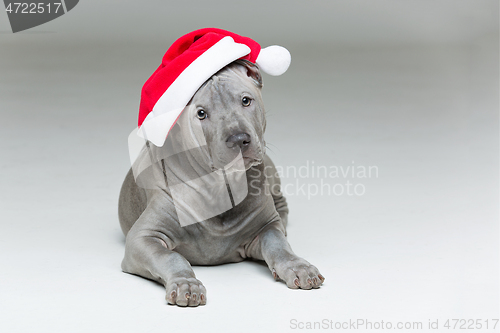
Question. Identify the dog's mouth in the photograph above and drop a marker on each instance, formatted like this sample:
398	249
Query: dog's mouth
237	156
251	161
248	162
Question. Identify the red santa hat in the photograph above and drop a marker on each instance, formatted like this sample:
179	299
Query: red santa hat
187	64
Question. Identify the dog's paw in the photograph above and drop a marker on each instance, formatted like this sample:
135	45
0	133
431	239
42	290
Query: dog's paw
186	292
298	273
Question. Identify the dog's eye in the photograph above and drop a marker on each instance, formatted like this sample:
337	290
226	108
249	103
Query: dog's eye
201	114
246	101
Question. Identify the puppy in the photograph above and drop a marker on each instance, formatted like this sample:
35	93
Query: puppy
169	227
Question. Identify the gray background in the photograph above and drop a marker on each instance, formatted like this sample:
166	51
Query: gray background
408	86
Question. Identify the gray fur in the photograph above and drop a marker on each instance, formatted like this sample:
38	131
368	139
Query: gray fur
158	248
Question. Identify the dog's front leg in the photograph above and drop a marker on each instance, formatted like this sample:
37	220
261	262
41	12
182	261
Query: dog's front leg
147	255
272	247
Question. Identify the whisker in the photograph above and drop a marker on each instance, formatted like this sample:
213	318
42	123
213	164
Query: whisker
268	143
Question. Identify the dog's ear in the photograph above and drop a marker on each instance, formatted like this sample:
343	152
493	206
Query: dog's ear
252	71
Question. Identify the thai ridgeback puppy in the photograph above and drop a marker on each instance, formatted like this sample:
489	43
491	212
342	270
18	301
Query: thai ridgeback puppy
230	110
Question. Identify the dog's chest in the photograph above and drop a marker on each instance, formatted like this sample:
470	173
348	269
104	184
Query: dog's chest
212	250
224	237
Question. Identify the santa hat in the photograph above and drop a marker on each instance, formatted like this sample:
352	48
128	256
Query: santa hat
187	64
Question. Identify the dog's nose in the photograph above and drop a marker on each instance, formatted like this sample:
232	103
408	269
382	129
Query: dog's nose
242	139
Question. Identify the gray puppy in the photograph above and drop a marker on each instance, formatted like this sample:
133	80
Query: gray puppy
230	109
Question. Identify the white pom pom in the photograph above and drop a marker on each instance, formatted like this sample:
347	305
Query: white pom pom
274	60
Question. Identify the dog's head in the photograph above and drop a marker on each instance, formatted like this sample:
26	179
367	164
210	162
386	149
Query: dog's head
230	111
